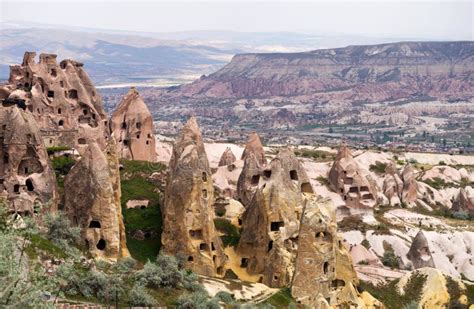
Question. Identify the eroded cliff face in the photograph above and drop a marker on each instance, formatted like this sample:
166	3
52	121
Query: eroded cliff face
188	227
27	180
132	127
92	201
348	180
62	99
365	73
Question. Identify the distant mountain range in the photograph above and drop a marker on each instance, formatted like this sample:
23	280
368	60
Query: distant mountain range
160	59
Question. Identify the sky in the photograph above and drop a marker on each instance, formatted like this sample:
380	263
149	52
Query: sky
408	19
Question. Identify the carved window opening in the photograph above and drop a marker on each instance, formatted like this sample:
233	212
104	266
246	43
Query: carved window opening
85	111
124	125
72	94
61	83
27	74
214	259
125	142
353	190
368	196
50	94
29	185
255	179
196	234
94	224
212	246
16	188
5	159
61	123
364	188
306	187
147	142
342	190
240	221
101	244
59	111
138	136
204	193
81	141
138	125
244	262
190	258
325	267
203	247
275	226
270	245
54	73
220	270
267	173
293	175
204	176
27	86
338	283
149	135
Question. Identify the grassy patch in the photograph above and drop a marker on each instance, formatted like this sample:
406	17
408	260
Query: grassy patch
281	299
231	233
40	245
316	155
388	293
136	186
323	180
61	166
378	167
54	149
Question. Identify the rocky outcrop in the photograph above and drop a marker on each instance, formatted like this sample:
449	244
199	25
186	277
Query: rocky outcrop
132	127
62	99
420	253
254	164
92	201
410	185
271	222
27	180
464	201
348	180
188	227
227	158
392	185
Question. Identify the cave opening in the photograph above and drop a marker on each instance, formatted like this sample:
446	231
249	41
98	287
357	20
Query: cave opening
101	244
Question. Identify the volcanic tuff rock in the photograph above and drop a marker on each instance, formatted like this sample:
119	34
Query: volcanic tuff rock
271	221
347	179
254	163
27	180
420	253
227	157
410	185
132	127
92	201
188	214
464	201
62	99
365	73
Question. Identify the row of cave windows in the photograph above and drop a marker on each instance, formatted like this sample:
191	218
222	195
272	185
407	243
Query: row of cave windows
28	184
305	187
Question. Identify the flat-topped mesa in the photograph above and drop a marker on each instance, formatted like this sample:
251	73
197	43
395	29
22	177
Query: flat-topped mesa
188	215
92	202
347	179
62	99
131	125
271	222
254	145
27	180
227	157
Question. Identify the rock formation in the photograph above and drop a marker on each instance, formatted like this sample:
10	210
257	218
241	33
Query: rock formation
132	127
420	253
271	222
27	180
348	179
464	201
92	201
61	98
392	185
188	227
227	158
410	185
254	164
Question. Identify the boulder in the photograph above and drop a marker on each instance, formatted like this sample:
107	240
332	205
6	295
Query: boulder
92	201
227	158
27	180
349	180
62	99
188	214
131	125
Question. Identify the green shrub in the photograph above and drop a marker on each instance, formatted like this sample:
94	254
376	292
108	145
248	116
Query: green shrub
139	296
378	167
225	297
231	233
197	300
323	180
366	244
60	231
63	164
389	258
54	149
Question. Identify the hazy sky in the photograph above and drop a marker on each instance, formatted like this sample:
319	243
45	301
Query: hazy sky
417	19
